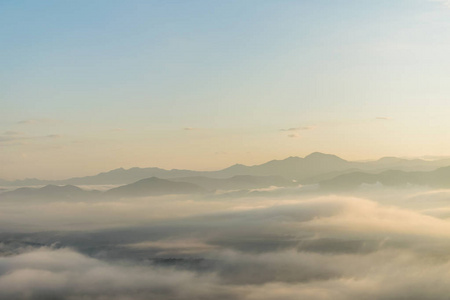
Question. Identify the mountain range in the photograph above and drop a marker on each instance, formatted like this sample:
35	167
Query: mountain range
49	192
154	187
330	172
314	168
439	178
150	187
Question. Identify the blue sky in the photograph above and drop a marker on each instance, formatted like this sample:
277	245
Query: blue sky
88	86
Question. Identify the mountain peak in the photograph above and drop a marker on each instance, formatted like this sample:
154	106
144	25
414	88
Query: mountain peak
59	187
390	159
320	155
293	158
236	167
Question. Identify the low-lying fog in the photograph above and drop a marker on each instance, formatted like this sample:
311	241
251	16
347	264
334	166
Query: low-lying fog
373	244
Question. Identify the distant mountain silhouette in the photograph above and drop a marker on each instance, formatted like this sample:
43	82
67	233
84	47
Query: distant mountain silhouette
294	167
237	182
313	168
49	192
439	178
333	181
4	182
154	187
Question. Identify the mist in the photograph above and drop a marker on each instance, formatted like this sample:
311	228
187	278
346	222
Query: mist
376	243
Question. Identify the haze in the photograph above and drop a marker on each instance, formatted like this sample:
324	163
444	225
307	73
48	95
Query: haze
235	150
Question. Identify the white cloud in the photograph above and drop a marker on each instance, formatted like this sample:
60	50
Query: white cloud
65	274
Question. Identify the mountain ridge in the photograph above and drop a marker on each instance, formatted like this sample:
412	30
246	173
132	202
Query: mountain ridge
152	186
439	178
302	169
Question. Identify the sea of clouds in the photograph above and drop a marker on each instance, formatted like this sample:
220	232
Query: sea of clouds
372	244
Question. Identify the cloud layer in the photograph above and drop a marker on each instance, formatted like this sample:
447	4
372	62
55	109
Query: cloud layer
371	245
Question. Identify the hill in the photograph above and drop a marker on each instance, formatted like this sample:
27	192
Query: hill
154	187
49	192
439	178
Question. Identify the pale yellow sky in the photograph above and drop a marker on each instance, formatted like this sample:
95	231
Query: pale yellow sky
60	156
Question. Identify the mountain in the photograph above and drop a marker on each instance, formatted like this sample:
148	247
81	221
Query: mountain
4	182
406	164
121	176
238	182
294	167
154	187
49	192
313	168
327	176
116	176
439	178
151	187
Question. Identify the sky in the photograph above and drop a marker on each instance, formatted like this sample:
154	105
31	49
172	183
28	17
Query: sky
89	86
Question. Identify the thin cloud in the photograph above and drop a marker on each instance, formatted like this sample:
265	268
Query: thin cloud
13	133
53	136
190	128
12	139
298	128
221	153
294	135
7	138
117	130
39	121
